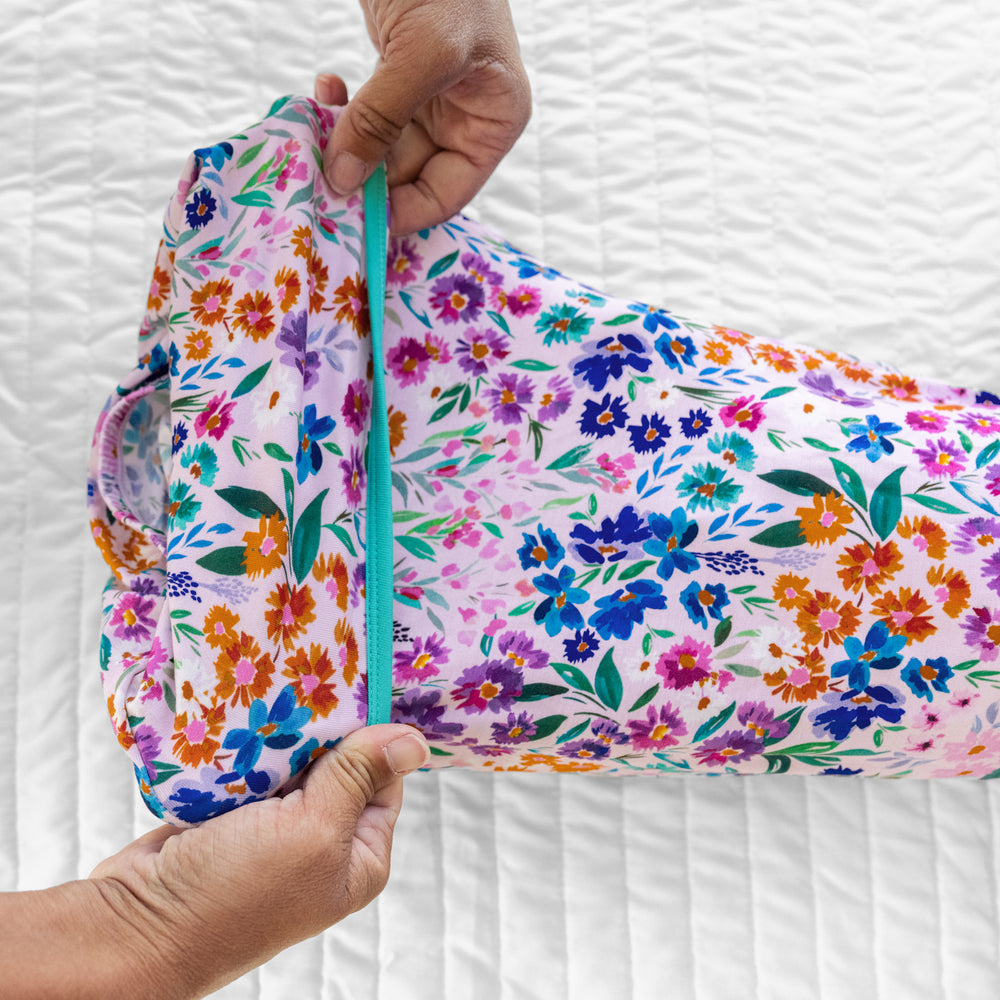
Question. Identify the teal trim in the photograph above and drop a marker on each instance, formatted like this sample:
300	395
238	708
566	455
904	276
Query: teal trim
378	521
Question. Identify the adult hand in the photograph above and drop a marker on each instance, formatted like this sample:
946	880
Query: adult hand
212	902
448	99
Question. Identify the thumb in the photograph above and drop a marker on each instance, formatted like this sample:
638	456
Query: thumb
374	119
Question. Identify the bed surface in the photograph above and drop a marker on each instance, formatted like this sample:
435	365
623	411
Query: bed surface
824	172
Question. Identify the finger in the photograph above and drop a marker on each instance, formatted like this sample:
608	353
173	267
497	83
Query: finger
407	157
148	843
448	181
330	89
375	118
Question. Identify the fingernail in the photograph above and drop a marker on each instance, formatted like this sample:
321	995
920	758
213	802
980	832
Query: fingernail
323	89
407	753
346	173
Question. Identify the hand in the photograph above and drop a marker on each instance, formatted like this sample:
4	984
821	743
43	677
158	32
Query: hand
214	901
448	99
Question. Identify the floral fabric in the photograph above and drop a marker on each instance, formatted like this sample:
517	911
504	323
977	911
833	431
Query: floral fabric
625	542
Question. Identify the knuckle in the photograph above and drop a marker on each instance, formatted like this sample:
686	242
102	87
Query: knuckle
373	126
354	774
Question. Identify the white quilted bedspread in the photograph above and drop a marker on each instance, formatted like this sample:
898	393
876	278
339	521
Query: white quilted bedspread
822	171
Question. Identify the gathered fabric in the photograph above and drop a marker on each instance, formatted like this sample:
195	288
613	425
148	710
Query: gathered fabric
624	542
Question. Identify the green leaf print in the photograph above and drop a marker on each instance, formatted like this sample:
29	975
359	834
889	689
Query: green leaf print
303	194
255	199
531	365
608	682
547	726
851	482
802	484
621	320
500	322
722	631
710	726
645	698
536	692
522	609
987	454
932	504
250	503
781	536
574	732
887	505
305	542
250	154
572	457
822	445
573	676
442	265
416	546
226	562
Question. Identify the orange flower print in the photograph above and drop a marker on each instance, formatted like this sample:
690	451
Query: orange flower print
779	358
854	371
335	570
220	626
899	387
809	360
904	615
803	682
123	729
302	240
266	546
198	345
717	352
732	336
344	635
313	680
791	591
208	303
928	536
870	568
243	671
351	300
194	744
397	432
293	609
252	314
287	287
951	587
319	275
159	289
825	521
826	619
554	763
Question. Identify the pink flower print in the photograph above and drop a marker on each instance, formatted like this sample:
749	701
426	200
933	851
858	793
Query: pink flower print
660	729
437	348
457	297
215	419
685	664
465	533
524	300
929	421
982	629
480	350
976	755
941	459
743	413
404	262
408	361
422	661
356	405
992	475
479	269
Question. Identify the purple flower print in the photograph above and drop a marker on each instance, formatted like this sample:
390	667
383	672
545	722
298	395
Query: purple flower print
759	718
356	404
586	749
928	421
422	661
480	269
509	396
977	533
823	385
457	297
982	629
408	361
555	402
519	649
492	685
354	480
148	742
732	747
942	459
293	339
659	730
480	350
984	424
131	621
517	729
418	707
404	262
523	300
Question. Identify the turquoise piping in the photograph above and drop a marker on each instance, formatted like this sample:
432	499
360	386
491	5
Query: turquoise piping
378	522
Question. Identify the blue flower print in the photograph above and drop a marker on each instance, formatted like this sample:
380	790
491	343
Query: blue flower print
559	609
695	424
620	612
650	435
673	535
582	646
924	677
609	358
283	730
201	210
701	602
545	549
610	542
873	440
879	651
309	455
676	351
843	712
654	318
601	419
